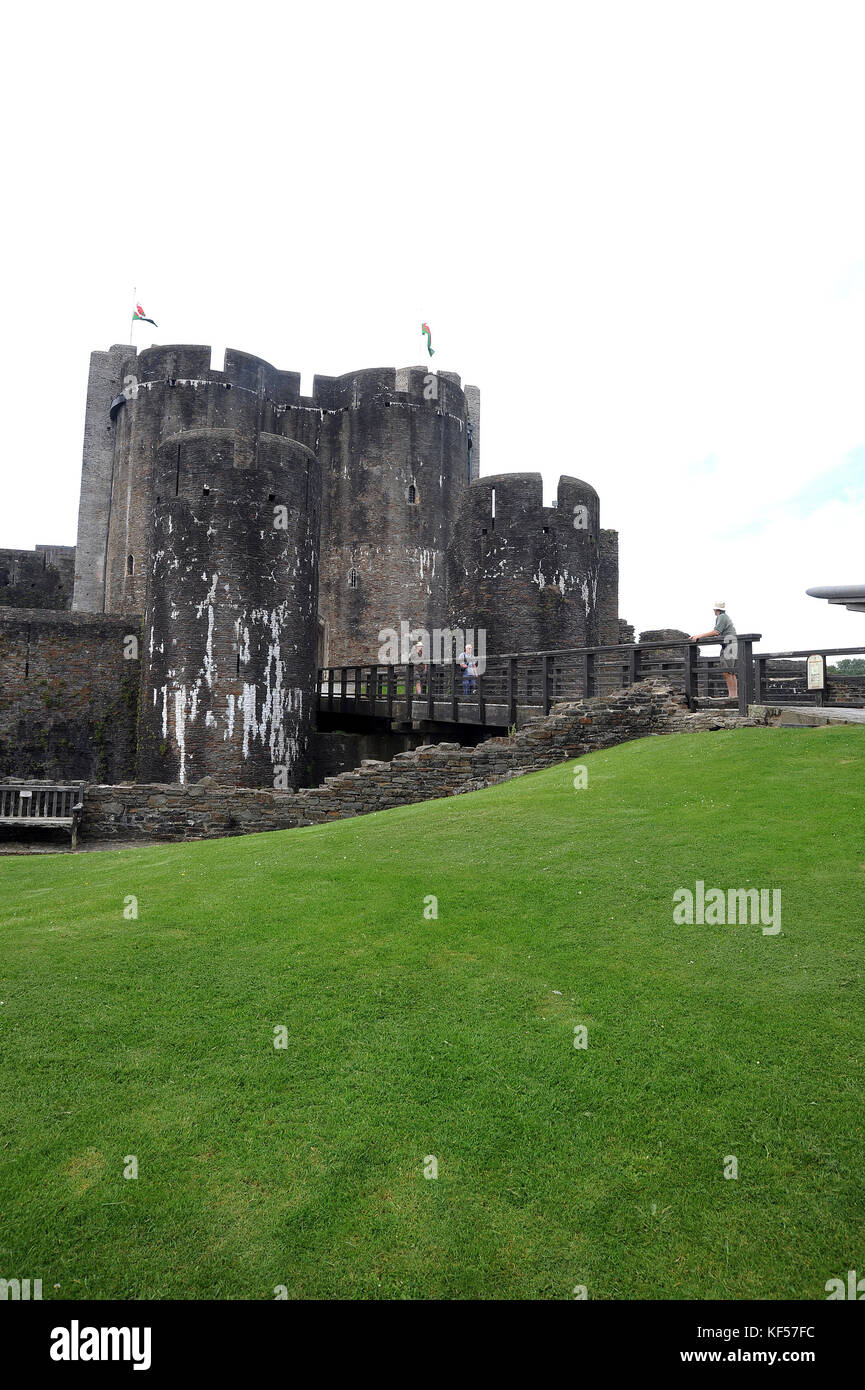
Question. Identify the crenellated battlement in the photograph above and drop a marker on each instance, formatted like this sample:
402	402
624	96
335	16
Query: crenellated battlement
525	573
517	499
179	365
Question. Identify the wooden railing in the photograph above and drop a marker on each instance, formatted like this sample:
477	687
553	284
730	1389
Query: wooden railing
517	685
779	683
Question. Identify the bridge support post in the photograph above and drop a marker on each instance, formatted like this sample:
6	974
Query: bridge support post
545	681
453	692
391	682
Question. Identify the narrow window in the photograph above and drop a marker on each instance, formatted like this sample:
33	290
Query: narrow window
130	564
352	579
412	493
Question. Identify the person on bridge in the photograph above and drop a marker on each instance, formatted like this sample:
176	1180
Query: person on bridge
420	669
469	666
724	630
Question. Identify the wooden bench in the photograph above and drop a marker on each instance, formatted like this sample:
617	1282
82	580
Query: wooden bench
34	805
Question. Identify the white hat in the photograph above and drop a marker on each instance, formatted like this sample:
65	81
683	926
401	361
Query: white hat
719	604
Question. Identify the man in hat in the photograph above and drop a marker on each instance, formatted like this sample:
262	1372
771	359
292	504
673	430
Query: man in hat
724	630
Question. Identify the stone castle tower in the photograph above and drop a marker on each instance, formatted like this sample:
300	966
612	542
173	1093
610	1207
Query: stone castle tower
526	573
260	533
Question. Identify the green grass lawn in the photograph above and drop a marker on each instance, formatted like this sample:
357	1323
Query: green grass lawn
407	1037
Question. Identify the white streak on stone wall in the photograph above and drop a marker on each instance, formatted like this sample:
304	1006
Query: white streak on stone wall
249	727
209	600
229	733
180	727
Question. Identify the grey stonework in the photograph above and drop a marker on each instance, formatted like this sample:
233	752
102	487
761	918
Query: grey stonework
68	695
402	501
97	479
388	523
40	578
525	573
434	770
229	661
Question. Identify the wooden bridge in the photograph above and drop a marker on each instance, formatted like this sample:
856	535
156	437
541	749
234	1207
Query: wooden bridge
516	688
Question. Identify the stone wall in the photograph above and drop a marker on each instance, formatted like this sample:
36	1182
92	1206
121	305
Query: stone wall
526	574
395	467
40	578
68	695
228	687
104	382
434	770
339	750
608	591
395	461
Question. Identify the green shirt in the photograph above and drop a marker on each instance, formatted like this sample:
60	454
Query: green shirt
724	625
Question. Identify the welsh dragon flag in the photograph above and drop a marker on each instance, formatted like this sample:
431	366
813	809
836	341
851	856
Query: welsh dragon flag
140	314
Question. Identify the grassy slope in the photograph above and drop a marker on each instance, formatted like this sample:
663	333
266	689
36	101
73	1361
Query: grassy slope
409	1037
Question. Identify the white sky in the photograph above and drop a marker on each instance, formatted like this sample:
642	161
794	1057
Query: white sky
638	227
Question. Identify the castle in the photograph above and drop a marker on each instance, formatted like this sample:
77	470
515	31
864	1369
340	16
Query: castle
234	536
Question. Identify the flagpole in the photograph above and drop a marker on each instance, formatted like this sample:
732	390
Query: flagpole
132	315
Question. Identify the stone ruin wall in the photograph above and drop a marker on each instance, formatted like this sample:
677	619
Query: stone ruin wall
68	695
428	772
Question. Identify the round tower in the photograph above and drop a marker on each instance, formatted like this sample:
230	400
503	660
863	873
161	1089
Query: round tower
397	450
524	573
229	663
163	393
